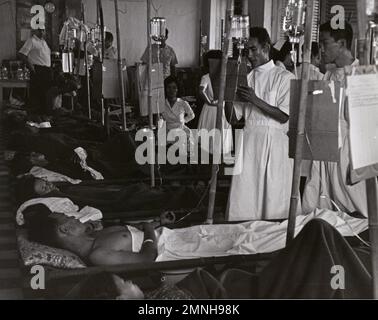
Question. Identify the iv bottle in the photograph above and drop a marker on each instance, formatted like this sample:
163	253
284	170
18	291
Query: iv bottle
67	61
294	20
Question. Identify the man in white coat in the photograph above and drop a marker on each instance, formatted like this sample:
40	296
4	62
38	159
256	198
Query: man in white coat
327	186
263	187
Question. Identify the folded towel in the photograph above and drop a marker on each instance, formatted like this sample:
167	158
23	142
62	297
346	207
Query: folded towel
51	176
82	154
60	205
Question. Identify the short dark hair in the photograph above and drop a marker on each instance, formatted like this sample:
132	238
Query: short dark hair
42	228
261	34
280	55
99	287
109	36
21	163
25	188
169	80
339	34
212	54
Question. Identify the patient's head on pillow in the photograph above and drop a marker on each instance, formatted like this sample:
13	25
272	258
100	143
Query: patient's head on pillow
23	162
106	286
29	187
53	229
41	225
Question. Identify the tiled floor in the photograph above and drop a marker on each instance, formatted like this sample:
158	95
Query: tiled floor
10	274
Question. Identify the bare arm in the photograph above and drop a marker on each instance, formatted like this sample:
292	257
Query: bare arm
247	94
189	113
26	60
173	71
206	98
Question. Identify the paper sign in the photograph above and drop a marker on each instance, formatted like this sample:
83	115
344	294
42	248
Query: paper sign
322	118
362	94
25	34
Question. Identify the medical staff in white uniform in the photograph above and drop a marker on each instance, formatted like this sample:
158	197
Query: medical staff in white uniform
327	186
262	188
37	56
208	118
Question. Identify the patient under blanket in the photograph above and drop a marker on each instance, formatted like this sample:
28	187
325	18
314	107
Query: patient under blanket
237	239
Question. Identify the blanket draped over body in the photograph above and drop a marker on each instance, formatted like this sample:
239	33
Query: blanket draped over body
237	239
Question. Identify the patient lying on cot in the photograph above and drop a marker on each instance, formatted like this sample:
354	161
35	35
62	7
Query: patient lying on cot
109	198
109	246
122	244
32	162
114	158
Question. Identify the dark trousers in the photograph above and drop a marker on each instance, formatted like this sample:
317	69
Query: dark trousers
40	83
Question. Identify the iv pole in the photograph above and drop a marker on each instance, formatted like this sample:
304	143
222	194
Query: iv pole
86	61
295	196
150	114
120	67
222	88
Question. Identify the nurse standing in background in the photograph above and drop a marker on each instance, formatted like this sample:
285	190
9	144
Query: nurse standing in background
208	117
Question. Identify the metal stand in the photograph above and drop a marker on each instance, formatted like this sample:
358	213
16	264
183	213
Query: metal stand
150	114
120	67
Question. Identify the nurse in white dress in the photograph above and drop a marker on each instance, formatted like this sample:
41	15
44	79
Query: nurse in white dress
263	187
177	112
208	117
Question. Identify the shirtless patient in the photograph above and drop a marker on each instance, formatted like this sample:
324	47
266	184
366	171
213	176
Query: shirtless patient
109	246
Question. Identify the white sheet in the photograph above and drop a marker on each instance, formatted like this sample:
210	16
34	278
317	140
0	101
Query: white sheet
246	238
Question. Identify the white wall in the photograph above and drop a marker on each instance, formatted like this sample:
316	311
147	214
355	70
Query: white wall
183	20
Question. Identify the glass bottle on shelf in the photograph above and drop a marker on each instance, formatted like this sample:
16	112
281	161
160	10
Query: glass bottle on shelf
20	74
4	73
26	73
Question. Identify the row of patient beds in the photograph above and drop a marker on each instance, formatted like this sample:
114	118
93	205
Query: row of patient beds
60	278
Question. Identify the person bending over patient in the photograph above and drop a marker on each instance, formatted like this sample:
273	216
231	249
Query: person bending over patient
109	246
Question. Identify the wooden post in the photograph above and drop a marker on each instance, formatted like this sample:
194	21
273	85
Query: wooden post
150	114
120	67
222	88
371	184
372	198
295	195
362	23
